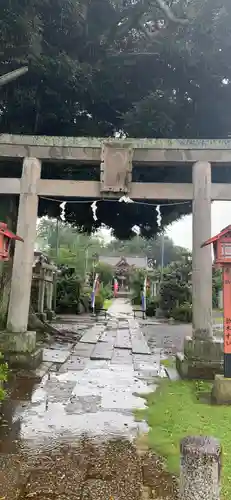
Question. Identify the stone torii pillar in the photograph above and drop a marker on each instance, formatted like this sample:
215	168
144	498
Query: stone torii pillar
203	354
201	257
19	344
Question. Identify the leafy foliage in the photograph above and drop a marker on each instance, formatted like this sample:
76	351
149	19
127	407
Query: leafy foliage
105	272
85	299
98	54
106	292
78	50
136	285
99	300
73	253
146	247
98	68
175	289
3	377
182	313
68	294
80	250
66	246
152	305
217	285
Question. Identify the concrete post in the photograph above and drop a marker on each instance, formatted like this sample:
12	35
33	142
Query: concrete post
49	295
201	257
24	252
200	469
41	295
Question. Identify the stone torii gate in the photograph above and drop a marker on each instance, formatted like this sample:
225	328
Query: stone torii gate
115	159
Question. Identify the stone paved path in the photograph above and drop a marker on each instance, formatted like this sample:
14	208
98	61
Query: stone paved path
87	396
169	338
96	378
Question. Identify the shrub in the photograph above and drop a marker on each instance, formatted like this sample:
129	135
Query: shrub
217	286
136	284
105	272
98	303
3	377
85	298
182	313
152	305
68	294
174	291
136	300
106	292
137	294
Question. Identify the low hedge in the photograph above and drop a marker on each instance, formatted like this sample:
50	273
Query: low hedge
152	305
182	313
106	292
68	294
3	376
99	300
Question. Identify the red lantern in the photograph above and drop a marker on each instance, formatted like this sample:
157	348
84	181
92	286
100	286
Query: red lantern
221	247
6	236
222	259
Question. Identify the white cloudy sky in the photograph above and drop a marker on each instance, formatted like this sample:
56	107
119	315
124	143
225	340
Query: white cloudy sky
181	231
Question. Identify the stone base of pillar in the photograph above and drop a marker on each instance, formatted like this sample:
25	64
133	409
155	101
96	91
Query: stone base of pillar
221	392
50	315
202	359
20	350
42	316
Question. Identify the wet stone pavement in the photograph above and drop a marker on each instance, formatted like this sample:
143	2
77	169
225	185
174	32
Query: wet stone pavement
72	435
167	338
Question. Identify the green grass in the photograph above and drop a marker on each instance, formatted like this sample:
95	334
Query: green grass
3	377
217	319
175	411
107	303
168	363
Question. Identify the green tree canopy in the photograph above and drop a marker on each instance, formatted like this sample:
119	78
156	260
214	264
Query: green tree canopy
143	67
151	248
106	273
154	68
68	246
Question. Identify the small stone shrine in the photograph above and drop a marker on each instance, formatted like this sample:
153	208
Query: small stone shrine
43	279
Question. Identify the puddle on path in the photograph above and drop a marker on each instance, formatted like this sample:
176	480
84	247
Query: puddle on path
65	468
71	436
19	395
